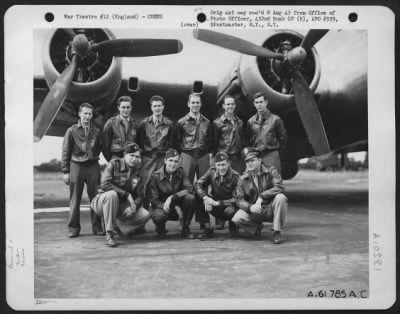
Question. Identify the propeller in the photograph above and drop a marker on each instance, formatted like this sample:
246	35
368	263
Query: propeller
312	37
235	43
138	47
81	48
53	100
309	114
304	99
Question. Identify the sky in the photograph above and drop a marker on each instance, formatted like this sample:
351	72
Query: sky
197	61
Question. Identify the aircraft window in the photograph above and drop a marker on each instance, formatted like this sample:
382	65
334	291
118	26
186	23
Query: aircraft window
133	83
198	86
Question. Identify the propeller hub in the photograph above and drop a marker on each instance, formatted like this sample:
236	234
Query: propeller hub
296	56
80	45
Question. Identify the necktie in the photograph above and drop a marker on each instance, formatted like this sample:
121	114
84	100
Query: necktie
126	125
86	129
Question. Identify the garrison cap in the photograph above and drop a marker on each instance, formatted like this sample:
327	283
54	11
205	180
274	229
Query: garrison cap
250	152
132	148
221	156
171	153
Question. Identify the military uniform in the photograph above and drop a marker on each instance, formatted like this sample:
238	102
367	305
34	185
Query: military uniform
229	137
267	134
266	184
117	133
118	182
222	190
194	140
162	185
80	155
155	138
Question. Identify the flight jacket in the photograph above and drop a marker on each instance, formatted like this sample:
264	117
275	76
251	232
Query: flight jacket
162	186
220	191
247	193
79	148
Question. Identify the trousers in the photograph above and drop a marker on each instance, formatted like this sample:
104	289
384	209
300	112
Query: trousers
185	202
107	205
81	173
221	213
195	166
149	165
274	212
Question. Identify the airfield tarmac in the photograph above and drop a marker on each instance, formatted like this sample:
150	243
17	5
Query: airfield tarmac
325	248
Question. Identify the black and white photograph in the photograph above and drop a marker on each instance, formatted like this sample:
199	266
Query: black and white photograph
207	166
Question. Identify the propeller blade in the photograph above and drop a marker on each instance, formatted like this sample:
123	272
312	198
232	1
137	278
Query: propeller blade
138	47
70	32
309	114
312	37
53	101
235	44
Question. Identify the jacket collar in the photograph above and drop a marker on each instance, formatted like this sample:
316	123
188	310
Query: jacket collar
125	167
190	117
80	125
265	115
224	118
163	174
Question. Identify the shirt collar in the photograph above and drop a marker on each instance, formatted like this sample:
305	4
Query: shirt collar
152	119
224	118
122	119
264	115
191	116
81	125
227	175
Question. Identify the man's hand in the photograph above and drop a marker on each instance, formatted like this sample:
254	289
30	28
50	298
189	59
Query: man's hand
208	208
128	212
256	208
208	201
132	202
66	178
167	204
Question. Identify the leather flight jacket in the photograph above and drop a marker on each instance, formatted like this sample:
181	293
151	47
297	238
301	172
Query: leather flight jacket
269	183
266	132
222	187
79	147
116	136
124	180
228	137
162	185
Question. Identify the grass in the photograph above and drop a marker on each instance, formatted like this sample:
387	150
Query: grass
50	191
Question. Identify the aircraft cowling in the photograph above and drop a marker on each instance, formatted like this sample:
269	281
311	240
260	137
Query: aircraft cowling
103	86
257	74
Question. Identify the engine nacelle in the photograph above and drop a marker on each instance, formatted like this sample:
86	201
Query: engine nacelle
97	79
271	77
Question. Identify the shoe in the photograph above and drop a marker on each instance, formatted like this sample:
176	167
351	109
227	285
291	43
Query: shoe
118	231
161	232
110	241
258	230
207	233
73	234
276	237
187	234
